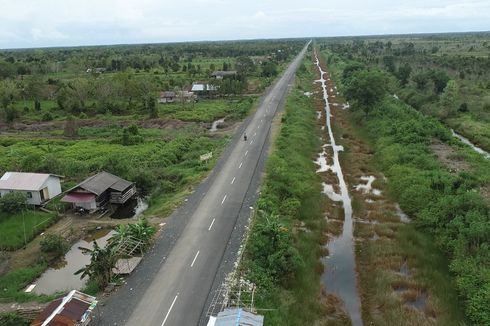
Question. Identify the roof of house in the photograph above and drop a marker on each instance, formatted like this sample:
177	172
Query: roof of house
102	181
167	94
24	180
237	316
200	87
69	310
223	73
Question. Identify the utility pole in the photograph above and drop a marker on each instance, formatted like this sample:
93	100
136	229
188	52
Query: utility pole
24	223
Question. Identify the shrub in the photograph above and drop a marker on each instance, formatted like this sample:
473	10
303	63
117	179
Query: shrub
12	319
54	244
47	116
13	202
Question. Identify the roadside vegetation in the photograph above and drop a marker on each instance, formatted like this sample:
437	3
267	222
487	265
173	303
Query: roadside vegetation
284	245
447	201
445	76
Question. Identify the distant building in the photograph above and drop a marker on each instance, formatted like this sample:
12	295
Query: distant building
185	96
260	59
100	190
223	74
38	187
166	97
74	309
203	89
236	317
96	70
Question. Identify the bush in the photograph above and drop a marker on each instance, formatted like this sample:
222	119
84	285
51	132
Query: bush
54	244
13	202
12	319
47	116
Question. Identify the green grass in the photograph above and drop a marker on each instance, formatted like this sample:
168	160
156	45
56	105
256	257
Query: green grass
13	319
207	110
12	227
289	290
12	284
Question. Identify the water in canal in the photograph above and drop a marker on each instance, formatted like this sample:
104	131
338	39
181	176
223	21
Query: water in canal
62	278
340	274
473	146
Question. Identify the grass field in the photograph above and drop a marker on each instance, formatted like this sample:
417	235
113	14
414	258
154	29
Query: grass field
12	232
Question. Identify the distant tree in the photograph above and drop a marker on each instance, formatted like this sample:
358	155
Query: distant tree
440	79
366	88
71	127
463	107
421	80
10	113
449	97
34	88
37	105
152	108
389	62
244	65
8	92
269	69
350	69
225	66
7	69
403	73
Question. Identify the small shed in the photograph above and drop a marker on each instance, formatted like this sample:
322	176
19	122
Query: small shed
219	74
166	97
74	309
99	190
38	187
203	89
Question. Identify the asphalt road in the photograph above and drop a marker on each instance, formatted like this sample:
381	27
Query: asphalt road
172	284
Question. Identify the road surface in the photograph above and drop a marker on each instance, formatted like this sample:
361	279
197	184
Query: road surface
172	285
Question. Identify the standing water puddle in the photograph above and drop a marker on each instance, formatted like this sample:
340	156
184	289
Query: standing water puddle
215	125
62	278
133	208
340	275
475	148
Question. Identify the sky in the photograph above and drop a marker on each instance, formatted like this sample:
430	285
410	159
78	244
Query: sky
43	23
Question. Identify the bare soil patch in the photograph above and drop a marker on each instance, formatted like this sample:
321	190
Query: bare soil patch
448	156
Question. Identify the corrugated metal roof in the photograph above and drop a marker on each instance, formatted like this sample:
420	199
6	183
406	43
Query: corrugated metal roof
24	180
167	94
238	317
198	87
223	73
102	181
69	310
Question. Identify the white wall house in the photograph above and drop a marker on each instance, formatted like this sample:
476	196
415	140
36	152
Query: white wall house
38	187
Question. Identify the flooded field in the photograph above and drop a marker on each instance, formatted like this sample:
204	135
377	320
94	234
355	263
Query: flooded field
62	278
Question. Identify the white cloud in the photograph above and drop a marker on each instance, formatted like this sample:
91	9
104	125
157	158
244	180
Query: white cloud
25	23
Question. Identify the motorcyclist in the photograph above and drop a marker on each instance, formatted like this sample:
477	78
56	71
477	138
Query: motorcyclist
245	136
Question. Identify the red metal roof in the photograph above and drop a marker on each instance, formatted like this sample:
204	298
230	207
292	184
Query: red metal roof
78	197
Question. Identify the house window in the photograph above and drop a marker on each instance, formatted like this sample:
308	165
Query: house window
29	194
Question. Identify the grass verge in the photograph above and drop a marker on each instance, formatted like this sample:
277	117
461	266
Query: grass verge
284	246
